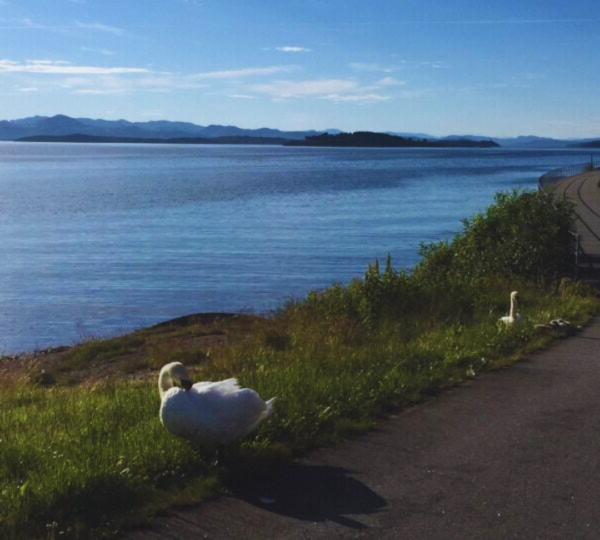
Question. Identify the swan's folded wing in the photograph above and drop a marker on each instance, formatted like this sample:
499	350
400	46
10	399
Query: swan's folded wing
214	413
200	385
228	386
244	411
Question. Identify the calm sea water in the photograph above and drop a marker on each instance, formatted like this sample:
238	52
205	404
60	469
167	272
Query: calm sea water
100	239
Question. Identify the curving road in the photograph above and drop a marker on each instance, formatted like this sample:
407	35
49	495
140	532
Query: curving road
584	192
514	454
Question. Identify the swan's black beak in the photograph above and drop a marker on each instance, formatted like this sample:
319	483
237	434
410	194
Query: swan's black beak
187	385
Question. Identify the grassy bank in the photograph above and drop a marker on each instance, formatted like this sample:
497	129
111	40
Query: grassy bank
82	460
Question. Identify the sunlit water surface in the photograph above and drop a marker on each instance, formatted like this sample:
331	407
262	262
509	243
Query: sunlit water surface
100	239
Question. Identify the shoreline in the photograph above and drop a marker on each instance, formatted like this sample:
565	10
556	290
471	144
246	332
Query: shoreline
131	351
206	317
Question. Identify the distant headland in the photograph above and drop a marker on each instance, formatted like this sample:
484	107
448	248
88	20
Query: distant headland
587	144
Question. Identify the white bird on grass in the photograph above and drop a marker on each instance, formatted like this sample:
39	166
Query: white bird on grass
210	414
513	315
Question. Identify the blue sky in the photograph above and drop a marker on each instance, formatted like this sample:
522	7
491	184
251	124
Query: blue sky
436	66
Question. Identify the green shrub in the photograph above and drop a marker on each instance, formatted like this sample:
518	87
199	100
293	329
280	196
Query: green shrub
524	235
570	287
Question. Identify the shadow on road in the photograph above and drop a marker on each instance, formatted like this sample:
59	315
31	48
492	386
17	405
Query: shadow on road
309	492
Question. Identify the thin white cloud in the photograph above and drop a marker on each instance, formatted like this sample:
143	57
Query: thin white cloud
117	84
98	92
398	65
100	27
356	98
59	76
318	87
290	49
369	67
389	81
242	84
243	73
105	52
490	86
336	90
62	68
110	80
435	64
45	62
24	23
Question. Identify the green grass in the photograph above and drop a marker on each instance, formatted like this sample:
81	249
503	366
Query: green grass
79	457
83	462
188	340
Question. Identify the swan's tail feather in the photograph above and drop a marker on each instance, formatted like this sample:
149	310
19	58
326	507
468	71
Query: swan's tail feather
270	407
264	414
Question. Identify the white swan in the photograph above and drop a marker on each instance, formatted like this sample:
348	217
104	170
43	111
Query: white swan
513	315
209	414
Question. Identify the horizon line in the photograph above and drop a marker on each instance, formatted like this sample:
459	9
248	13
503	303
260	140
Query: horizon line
388	131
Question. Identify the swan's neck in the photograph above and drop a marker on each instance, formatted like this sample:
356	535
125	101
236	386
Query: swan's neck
165	383
513	307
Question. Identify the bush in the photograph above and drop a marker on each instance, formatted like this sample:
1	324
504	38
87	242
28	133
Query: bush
569	287
524	235
522	240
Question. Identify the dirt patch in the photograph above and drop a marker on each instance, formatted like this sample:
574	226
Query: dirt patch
136	355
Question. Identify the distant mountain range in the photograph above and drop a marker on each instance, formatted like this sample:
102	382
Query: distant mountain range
61	126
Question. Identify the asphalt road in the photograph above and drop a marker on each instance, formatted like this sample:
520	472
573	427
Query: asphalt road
513	454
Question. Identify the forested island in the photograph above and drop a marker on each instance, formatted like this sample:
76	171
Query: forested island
379	140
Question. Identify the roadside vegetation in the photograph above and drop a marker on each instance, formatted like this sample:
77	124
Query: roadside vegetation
84	460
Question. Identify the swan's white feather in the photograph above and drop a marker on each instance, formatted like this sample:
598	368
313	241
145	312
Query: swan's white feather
213	413
513	317
511	320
